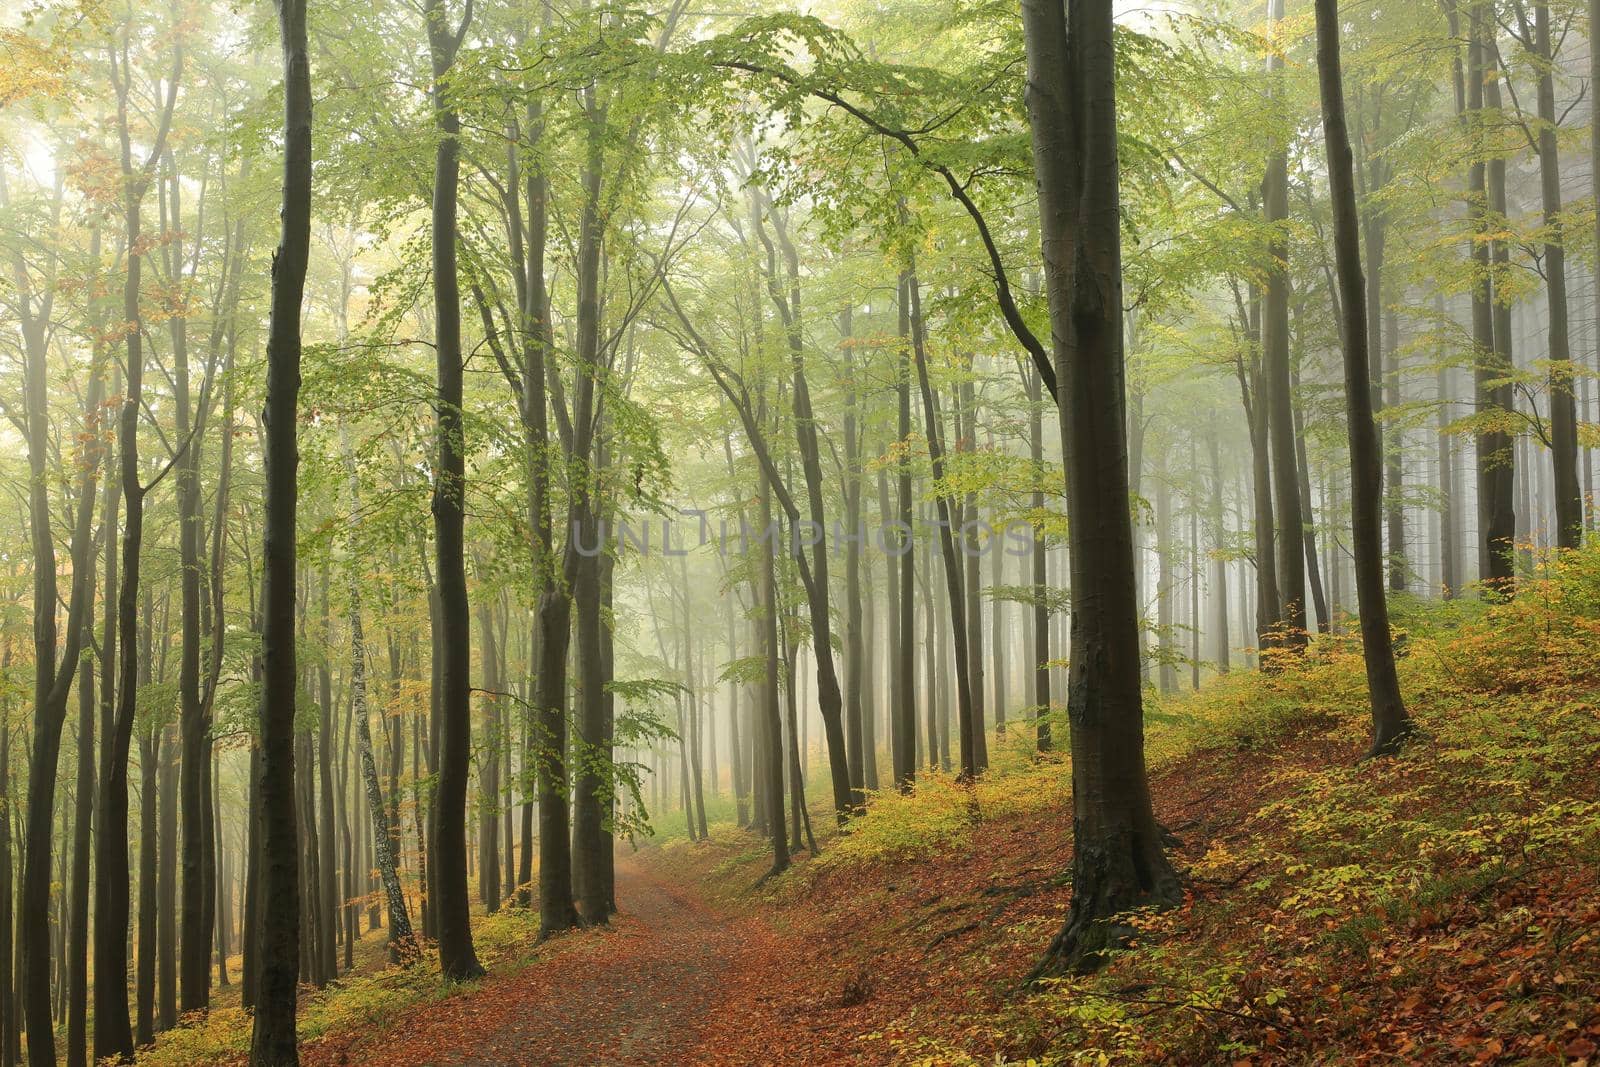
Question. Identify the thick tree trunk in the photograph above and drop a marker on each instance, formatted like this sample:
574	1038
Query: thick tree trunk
1118	860
457	958
273	1036
1389	718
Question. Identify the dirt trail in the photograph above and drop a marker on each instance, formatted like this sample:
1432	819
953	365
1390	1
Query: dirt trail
637	994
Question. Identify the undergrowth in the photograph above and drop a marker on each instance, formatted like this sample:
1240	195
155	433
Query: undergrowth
1437	906
504	939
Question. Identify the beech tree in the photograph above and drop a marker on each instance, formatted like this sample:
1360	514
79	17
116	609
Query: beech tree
273	1040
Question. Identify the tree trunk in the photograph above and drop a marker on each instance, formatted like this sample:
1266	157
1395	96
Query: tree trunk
194	977
457	958
593	781
967	727
327	887
488	767
1389	718
1393	469
1219	535
769	756
1166	653
829	698
1497	463
1037	560
272	1040
1118	860
969	553
402	943
857	724
903	608
82	819
1277	376
1563	408
9	1044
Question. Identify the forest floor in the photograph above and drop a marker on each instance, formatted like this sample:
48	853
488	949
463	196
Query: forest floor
1439	907
640	992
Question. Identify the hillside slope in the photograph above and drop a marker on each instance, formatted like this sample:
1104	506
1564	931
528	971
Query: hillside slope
1442	906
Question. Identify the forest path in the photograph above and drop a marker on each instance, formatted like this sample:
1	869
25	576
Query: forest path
637	994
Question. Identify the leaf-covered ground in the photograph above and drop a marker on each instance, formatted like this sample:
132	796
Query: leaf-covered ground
1440	907
639	993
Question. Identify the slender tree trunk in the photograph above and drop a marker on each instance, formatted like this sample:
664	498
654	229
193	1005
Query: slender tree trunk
997	627
592	783
488	767
1449	551
1037	561
1313	571
608	710
857	723
1277	376
9	1044
970	551
1219	589
112	1034
149	756
1393	468
770	756
194	977
904	611
966	712
82	825
1563	408
1194	574
402	942
1594	181
829	698
1389	718
1497	463
1167	672
327	889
